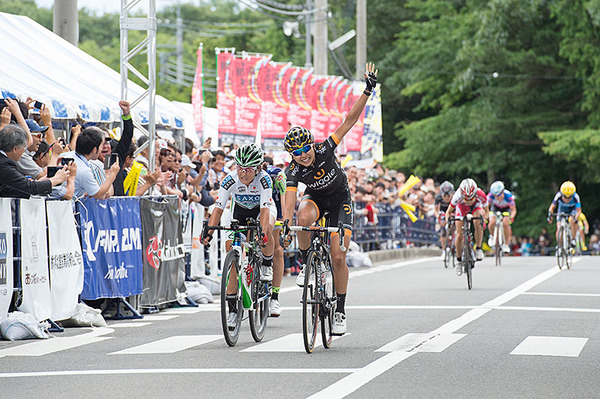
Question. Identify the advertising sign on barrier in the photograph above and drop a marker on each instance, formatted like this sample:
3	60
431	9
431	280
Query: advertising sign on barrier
164	252
34	259
197	268
66	260
6	257
111	236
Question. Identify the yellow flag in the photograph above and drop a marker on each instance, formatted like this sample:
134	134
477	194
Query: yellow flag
412	180
131	181
409	209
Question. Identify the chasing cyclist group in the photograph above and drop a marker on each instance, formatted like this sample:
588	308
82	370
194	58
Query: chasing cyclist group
453	206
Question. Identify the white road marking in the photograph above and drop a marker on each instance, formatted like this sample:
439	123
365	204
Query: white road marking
36	374
51	345
130	324
417	342
155	317
288	343
560	294
374	269
549	309
550	346
192	310
354	381
169	345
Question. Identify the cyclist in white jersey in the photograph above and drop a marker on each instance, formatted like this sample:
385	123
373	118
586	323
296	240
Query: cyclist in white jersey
251	191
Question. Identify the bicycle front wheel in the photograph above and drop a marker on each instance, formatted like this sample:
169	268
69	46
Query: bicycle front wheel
231	269
260	311
329	302
498	248
310	303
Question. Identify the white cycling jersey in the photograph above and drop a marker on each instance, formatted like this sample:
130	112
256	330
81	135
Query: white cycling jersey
257	195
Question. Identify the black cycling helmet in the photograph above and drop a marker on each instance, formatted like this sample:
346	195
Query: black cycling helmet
297	137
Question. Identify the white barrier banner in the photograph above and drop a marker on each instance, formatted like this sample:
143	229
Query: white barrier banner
66	261
34	259
197	257
6	257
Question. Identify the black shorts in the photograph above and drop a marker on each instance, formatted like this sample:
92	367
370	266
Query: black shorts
494	208
339	206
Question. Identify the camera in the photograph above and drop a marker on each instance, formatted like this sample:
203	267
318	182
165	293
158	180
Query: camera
52	171
198	165
38	105
109	161
66	161
2	102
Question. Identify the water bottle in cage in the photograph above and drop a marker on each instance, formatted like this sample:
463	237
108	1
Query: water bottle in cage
247	271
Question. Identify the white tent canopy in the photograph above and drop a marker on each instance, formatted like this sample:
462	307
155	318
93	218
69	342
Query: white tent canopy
34	62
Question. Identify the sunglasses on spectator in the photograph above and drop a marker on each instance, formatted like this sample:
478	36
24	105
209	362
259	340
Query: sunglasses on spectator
39	135
245	169
165	153
302	150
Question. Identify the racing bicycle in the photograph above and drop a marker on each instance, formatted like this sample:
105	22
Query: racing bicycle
318	294
498	237
468	254
243	261
564	251
450	250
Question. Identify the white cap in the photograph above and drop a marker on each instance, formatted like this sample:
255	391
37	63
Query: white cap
185	161
162	144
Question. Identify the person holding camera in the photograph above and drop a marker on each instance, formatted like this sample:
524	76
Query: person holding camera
13	184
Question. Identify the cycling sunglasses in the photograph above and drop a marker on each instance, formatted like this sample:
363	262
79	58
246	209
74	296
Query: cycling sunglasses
302	150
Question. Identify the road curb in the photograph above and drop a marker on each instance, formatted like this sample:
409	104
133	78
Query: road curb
402	254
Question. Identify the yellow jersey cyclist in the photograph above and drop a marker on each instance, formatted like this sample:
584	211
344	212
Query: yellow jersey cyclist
567	201
316	165
584	228
251	191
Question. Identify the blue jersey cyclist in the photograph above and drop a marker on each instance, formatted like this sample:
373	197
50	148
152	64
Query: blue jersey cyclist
250	189
501	200
567	201
315	165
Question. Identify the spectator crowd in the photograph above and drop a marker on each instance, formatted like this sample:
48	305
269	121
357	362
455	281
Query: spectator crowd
93	162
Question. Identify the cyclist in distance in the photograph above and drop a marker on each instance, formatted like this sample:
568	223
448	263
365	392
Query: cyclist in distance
278	176
442	201
501	200
251	189
567	201
468	199
584	228
316	165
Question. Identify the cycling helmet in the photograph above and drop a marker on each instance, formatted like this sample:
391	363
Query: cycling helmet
446	188
497	188
468	189
249	155
567	188
297	137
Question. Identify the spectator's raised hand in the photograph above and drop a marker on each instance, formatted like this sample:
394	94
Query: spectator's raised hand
4	117
45	115
72	168
115	167
153	177
207	144
60	176
125	107
13	106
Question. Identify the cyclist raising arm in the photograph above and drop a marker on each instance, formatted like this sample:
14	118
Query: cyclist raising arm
315	165
567	201
252	191
468	199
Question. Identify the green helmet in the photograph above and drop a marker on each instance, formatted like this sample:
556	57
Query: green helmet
249	155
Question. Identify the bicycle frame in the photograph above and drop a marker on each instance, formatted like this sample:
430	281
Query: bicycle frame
564	252
468	254
499	238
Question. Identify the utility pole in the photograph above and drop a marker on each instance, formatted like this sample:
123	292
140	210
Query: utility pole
361	38
321	40
308	50
179	46
65	20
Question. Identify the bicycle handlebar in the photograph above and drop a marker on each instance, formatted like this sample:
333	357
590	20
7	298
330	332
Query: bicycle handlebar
340	229
233	226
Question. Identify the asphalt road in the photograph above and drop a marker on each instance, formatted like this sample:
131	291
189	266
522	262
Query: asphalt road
526	330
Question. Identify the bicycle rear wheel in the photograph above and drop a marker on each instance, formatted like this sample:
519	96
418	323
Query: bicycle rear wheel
329	302
310	303
260	312
498	248
231	267
559	257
